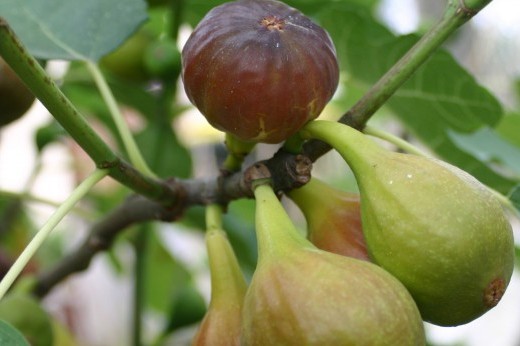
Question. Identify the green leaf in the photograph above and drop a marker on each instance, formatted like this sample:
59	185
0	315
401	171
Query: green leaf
440	97
9	335
165	276
509	128
514	197
163	151
73	29
486	145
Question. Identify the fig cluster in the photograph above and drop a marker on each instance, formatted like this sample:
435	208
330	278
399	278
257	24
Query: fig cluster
421	241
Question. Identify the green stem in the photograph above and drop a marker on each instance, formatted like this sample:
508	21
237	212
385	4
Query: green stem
237	151
398	142
44	232
213	217
456	14
141	250
46	90
126	136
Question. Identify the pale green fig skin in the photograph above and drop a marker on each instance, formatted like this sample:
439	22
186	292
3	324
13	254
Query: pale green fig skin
221	325
441	232
300	295
333	218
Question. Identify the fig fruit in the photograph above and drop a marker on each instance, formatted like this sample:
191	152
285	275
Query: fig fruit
127	61
300	295
221	325
259	69
163	59
15	97
25	313
333	218
436	228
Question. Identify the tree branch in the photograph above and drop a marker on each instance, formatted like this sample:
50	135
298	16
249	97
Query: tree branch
287	170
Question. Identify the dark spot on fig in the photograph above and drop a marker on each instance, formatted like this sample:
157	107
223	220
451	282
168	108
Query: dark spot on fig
273	23
494	292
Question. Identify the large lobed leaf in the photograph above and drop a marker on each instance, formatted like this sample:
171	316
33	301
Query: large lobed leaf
440	99
73	29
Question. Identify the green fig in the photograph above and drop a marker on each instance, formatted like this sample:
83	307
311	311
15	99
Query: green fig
24	312
300	295
333	218
436	228
221	325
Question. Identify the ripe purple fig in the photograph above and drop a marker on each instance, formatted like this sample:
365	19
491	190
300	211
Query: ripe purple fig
259	69
15	97
333	218
221	325
300	295
441	232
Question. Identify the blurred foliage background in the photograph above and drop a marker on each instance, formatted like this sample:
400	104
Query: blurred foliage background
462	105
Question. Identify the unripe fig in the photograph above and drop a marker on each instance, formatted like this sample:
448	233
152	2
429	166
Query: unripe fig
441	232
25	313
163	59
300	295
333	218
259	69
15	97
221	325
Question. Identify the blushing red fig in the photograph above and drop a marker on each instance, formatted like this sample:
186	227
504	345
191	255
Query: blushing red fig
259	69
333	218
300	295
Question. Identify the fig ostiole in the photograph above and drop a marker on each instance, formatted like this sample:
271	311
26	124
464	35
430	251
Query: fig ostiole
300	295
259	69
221	324
436	228
333	218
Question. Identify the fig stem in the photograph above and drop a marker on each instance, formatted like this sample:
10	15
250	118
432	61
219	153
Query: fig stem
456	14
237	151
213	217
49	94
44	232
129	143
276	234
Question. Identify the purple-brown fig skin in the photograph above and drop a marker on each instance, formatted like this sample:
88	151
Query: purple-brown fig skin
15	97
259	70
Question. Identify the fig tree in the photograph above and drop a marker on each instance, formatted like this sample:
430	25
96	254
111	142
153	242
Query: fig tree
436	228
300	295
259	69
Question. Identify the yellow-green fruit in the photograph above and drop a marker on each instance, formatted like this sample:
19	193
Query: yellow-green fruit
127	61
25	314
163	59
221	325
15	97
333	218
300	295
441	232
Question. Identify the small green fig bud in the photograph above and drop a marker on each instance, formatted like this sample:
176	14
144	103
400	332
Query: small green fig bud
221	325
441	232
24	312
300	295
333	218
